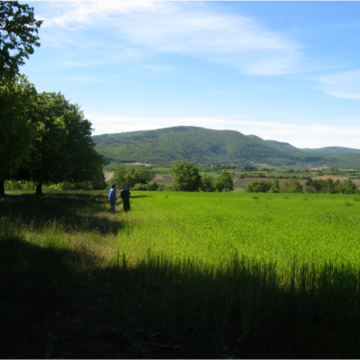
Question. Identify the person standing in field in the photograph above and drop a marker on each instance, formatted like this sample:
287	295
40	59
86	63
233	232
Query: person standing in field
125	195
112	198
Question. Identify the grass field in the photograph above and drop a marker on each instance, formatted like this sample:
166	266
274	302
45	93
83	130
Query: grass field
266	227
199	275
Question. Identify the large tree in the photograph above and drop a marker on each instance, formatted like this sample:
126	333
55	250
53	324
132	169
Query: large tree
17	98
63	149
18	36
186	177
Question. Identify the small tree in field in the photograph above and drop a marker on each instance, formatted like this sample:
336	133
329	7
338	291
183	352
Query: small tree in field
224	182
291	186
153	186
207	183
186	177
275	187
347	187
124	177
258	186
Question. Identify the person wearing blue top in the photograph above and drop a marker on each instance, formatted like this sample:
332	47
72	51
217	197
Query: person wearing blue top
112	198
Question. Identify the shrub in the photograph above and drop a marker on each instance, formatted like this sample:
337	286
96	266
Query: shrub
152	186
258	186
291	186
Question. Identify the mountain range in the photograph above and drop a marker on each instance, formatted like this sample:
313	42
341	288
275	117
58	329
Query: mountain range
205	146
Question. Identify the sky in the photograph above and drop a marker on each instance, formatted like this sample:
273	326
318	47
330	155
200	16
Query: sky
286	71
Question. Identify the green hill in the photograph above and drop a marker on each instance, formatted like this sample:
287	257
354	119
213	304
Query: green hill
205	146
333	150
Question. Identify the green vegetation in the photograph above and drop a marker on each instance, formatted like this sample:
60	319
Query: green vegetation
18	36
137	178
17	133
331	187
291	186
186	177
224	182
62	149
200	275
258	186
213	147
44	138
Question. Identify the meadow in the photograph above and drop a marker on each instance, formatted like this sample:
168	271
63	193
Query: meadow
199	275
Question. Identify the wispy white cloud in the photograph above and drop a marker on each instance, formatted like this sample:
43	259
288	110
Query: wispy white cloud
188	28
311	136
342	85
78	14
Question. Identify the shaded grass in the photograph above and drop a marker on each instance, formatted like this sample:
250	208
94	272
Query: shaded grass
63	295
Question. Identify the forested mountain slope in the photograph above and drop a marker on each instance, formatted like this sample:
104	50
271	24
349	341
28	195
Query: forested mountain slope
205	146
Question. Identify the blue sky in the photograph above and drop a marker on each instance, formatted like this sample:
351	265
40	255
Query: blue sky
286	71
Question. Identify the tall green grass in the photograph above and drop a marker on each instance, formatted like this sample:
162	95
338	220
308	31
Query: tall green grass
211	228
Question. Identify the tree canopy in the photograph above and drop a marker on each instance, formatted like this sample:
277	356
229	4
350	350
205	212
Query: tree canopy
224	182
18	36
62	149
17	98
258	186
186	177
132	177
207	183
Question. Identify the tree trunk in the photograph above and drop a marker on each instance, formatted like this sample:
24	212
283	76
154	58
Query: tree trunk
2	188
39	189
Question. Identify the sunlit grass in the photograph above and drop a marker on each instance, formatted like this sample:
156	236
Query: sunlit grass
211	228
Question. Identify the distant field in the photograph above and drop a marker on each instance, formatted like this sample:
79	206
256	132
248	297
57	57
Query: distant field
108	176
163	178
242	182
212	174
333	177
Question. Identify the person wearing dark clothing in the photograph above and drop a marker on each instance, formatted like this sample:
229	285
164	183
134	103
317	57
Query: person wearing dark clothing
125	196
112	198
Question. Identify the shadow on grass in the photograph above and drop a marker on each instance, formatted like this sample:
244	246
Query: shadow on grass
138	196
57	303
38	295
79	211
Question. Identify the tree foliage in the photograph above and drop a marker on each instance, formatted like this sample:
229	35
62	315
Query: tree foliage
18	36
275	187
207	183
16	101
224	182
186	177
330	187
258	186
62	149
132	177
291	186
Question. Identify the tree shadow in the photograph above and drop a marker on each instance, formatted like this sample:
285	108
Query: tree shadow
38	295
58	303
76	211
